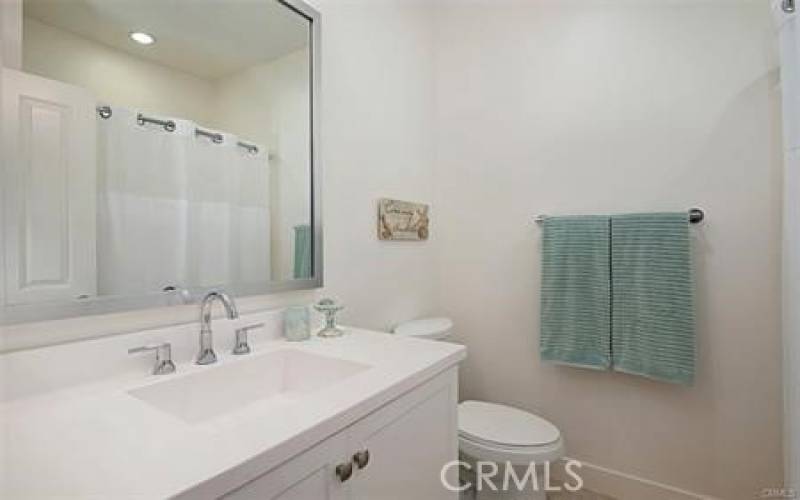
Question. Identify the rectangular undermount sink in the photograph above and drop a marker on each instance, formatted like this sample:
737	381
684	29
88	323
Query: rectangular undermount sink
277	376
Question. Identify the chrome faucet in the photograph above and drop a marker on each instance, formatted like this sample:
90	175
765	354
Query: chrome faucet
206	356
164	364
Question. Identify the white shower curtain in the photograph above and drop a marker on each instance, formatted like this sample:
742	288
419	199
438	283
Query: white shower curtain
142	205
789	33
210	183
251	216
178	209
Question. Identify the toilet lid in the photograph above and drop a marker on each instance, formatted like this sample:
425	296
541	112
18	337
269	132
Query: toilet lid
504	425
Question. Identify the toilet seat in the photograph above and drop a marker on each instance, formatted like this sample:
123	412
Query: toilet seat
516	455
500	433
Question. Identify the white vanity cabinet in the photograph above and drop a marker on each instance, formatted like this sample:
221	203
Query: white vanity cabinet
401	448
249	427
311	475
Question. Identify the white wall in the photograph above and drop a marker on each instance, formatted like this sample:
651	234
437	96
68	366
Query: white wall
611	106
270	104
114	76
378	141
11	33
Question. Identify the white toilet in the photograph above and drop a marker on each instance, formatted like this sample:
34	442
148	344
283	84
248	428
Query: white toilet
489	432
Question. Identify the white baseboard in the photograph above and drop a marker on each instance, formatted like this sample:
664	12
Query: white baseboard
623	486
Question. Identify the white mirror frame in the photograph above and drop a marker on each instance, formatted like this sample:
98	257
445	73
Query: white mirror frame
44	311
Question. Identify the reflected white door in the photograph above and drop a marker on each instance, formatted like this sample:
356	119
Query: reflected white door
49	189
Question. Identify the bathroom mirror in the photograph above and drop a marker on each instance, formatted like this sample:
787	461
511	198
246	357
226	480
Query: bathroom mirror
154	150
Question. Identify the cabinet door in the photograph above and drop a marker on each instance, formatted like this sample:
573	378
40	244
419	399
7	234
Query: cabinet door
309	476
409	441
49	189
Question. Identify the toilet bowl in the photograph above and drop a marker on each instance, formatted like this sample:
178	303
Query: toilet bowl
508	437
491	434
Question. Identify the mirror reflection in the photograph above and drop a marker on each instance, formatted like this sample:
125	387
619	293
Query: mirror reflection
196	164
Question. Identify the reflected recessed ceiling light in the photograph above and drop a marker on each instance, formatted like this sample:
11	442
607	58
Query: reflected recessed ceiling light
142	38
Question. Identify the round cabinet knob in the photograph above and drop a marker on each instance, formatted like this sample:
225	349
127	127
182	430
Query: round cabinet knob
344	471
361	458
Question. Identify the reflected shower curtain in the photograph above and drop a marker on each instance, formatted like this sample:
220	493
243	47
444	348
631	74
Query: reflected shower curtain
142	206
229	219
210	191
251	217
176	209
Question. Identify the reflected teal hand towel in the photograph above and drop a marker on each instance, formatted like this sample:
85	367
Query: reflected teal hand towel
652	296
302	251
575	298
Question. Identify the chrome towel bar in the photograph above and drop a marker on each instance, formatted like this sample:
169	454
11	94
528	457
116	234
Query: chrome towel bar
696	215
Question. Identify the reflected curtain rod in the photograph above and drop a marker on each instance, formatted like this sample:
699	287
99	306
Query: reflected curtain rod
217	138
696	215
105	113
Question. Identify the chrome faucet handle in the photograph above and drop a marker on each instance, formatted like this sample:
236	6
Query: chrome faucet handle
242	347
164	364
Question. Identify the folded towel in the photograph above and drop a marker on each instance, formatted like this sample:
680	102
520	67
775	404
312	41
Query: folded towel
652	300
576	314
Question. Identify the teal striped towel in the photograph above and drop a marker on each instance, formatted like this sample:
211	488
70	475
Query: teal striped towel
652	299
576	291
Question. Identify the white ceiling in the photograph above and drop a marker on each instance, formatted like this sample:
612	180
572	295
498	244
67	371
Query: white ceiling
208	38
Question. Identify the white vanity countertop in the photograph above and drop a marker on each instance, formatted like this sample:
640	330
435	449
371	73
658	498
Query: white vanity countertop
94	440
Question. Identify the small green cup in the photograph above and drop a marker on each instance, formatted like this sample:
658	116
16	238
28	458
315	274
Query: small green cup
296	323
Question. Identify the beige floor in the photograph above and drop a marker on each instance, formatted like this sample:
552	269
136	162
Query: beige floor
566	495
578	495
